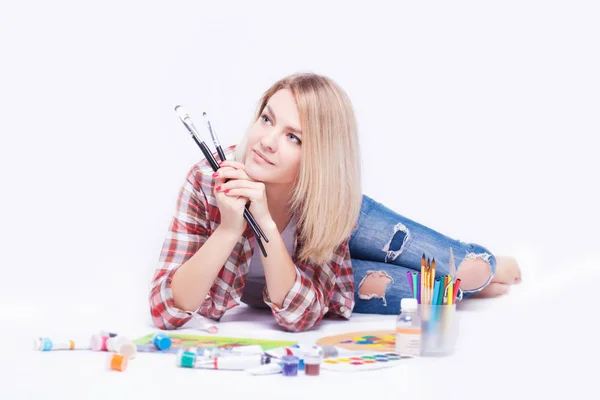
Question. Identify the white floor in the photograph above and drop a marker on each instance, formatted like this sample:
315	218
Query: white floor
538	340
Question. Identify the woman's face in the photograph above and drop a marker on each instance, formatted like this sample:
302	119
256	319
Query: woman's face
273	151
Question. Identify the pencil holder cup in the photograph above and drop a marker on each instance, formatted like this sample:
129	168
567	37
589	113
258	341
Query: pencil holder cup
439	329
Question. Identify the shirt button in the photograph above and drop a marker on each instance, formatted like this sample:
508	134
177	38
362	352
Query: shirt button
326	310
342	309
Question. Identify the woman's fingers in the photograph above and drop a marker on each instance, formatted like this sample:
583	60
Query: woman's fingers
244	188
250	193
230	173
242	183
233	164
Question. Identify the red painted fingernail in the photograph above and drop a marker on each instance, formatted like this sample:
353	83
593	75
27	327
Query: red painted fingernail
218	188
220	162
227	191
215	174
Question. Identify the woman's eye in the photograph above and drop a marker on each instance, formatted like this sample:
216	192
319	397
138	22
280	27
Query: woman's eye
294	137
265	118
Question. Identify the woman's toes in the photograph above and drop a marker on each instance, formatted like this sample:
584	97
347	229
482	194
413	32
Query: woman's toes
494	289
507	271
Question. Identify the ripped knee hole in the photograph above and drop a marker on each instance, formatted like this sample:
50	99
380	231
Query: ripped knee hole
374	285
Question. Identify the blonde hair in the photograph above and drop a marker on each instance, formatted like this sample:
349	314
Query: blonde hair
328	193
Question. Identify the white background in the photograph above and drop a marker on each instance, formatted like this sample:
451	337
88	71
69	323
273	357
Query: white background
476	119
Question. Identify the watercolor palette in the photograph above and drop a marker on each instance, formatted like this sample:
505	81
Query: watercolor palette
383	341
364	362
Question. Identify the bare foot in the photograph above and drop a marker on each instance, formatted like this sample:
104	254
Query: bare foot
507	273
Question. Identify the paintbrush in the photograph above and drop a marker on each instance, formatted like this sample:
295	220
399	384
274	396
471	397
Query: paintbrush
189	124
221	154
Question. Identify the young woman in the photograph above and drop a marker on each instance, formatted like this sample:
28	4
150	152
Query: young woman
331	250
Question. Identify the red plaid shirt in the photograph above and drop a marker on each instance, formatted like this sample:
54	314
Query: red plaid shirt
327	288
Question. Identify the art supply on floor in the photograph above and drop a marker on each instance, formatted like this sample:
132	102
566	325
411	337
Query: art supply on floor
408	328
434	290
280	352
201	343
367	341
47	344
210	353
117	362
439	329
122	345
312	361
252	349
129	350
98	343
365	362
114	343
161	341
330	351
186	359
290	365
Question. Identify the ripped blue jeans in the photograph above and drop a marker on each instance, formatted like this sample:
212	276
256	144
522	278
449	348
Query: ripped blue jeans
387	245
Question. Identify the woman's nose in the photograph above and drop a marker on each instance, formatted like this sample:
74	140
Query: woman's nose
269	140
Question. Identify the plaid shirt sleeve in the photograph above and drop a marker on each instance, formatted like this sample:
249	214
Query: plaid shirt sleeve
318	289
188	231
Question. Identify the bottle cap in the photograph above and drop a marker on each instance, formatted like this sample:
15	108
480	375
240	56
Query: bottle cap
186	359
162	341
408	304
314	355
118	362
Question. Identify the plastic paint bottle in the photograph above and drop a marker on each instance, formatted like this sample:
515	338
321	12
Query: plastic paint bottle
122	345
408	329
290	365
312	361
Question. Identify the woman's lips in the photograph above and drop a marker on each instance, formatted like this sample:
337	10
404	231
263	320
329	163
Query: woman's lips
260	158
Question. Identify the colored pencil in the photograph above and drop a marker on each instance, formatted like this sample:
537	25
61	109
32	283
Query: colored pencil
415	286
422	283
419	288
440	299
436	290
410	283
447	281
450	291
456	286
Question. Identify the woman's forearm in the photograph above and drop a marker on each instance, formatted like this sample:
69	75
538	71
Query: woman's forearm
280	272
194	278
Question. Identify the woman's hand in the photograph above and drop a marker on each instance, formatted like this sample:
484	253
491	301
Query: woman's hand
240	185
231	208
